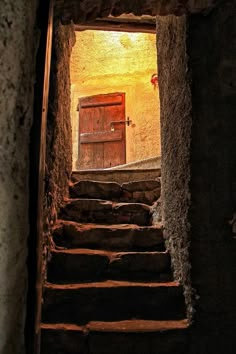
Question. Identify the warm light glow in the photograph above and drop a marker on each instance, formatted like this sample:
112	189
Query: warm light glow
105	62
117	36
122	39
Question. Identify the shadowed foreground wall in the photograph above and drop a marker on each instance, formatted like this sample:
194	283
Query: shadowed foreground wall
17	72
213	176
198	168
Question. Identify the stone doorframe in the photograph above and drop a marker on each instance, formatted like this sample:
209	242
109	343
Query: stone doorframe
173	28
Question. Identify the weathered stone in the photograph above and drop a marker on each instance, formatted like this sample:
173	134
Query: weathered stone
132	213
95	210
70	234
147	197
176	134
139	265
112	301
156	211
119	176
128	337
95	189
63	339
71	266
59	165
133	192
81	11
138	337
18	47
141	186
87	210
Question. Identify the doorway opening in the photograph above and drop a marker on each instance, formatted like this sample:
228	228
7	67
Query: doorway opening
58	181
115	109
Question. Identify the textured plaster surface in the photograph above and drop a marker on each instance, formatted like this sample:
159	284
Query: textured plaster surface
106	62
17	56
175	98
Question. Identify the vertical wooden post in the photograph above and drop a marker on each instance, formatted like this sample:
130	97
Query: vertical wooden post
37	176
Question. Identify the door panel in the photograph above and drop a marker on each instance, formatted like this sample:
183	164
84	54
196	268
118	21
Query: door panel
99	147
100	137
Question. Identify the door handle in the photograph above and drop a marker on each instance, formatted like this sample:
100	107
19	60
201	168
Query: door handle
112	123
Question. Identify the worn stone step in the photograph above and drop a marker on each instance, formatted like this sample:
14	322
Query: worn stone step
95	190
145	197
102	211
126	337
146	191
122	237
139	186
112	301
119	176
75	265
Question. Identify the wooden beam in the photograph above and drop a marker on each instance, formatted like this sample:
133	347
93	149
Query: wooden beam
37	177
41	189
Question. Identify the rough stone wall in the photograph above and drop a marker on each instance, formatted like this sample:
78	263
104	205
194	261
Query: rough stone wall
212	51
106	62
175	100
17	66
59	134
86	10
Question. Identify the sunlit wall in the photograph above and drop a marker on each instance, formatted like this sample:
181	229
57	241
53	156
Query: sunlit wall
106	62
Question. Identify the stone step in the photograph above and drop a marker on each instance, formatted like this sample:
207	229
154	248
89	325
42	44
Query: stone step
78	265
112	301
119	176
123	337
122	237
139	186
146	191
95	190
102	211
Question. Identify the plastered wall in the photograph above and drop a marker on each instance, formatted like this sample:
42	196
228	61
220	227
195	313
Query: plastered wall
18	43
106	62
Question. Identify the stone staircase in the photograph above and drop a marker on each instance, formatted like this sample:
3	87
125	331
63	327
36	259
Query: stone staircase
109	285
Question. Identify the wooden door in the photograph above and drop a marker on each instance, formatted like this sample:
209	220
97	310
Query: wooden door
101	141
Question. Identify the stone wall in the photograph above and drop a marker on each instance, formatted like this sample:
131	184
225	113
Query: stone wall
175	100
107	62
86	10
18	43
59	132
